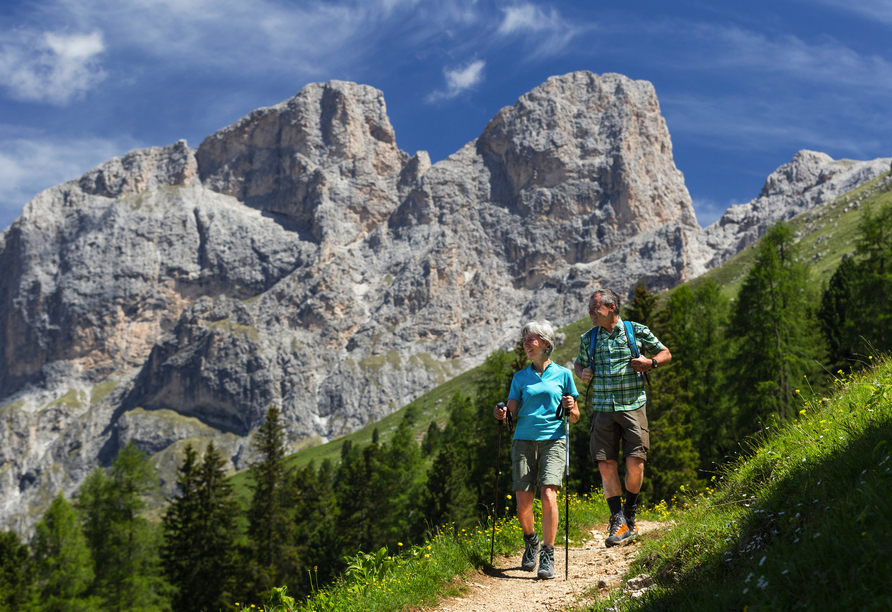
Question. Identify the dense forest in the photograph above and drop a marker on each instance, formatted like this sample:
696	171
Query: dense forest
738	366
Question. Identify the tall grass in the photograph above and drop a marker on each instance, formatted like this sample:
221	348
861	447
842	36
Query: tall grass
801	521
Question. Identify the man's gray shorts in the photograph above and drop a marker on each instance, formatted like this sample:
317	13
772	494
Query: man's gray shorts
539	462
608	428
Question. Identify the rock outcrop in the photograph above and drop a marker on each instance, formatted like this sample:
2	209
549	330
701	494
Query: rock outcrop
298	257
810	179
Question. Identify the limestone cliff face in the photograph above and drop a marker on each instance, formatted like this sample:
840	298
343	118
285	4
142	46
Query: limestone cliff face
298	257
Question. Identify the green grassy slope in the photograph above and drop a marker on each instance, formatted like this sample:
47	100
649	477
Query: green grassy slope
804	521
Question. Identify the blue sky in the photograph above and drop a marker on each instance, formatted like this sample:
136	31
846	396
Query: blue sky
742	85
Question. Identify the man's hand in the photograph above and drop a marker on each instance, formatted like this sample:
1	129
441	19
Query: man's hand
586	375
642	364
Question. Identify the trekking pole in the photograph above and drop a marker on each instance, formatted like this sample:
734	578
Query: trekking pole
561	412
567	498
495	506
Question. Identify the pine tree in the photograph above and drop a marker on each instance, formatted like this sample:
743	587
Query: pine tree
16	575
449	496
673	458
642	308
270	522
431	442
400	481
358	512
63	563
200	534
854	312
482	433
124	545
774	332
699	319
317	541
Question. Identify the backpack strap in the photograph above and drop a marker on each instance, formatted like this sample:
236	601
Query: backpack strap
630	338
593	338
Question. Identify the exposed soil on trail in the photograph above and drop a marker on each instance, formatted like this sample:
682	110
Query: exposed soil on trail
594	572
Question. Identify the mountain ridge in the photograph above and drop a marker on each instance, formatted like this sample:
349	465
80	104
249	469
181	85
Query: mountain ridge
298	257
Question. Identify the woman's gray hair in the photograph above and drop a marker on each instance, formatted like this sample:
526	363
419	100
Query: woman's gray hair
544	330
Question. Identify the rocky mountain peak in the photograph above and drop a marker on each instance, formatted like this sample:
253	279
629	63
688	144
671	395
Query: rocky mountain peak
601	138
806	170
325	160
809	179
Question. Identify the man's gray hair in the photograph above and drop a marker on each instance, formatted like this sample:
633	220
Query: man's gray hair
544	330
608	298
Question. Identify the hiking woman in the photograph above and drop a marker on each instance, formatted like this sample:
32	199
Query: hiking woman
539	446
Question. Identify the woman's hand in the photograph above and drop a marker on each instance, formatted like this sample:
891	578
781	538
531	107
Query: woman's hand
571	408
500	411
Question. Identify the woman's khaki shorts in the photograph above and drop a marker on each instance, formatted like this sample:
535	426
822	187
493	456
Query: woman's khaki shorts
609	427
539	462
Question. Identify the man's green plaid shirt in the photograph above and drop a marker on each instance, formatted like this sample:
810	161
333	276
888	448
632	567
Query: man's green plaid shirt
616	385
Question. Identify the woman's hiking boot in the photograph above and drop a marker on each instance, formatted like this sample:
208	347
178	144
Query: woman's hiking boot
619	531
546	563
530	552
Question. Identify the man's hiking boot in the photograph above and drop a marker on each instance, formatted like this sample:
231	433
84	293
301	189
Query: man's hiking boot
619	531
546	563
629	515
531	551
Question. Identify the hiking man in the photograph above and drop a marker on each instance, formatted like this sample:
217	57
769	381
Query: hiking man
618	404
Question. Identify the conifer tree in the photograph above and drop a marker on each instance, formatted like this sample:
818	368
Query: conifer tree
673	458
16	575
200	534
774	332
482	434
698	320
449	496
316	530
124	545
431	442
270	521
642	308
854	313
358	509
399	482
63	564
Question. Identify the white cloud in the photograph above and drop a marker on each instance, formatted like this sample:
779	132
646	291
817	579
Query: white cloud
709	211
31	162
873	10
49	66
547	32
528	18
309	39
731	123
459	80
759	57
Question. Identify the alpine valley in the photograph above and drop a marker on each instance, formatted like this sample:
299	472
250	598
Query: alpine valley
298	257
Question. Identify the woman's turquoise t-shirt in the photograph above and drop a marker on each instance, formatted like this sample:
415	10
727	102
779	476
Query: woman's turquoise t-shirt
538	397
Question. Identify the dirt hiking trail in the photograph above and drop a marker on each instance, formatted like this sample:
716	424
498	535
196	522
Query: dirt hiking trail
594	572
